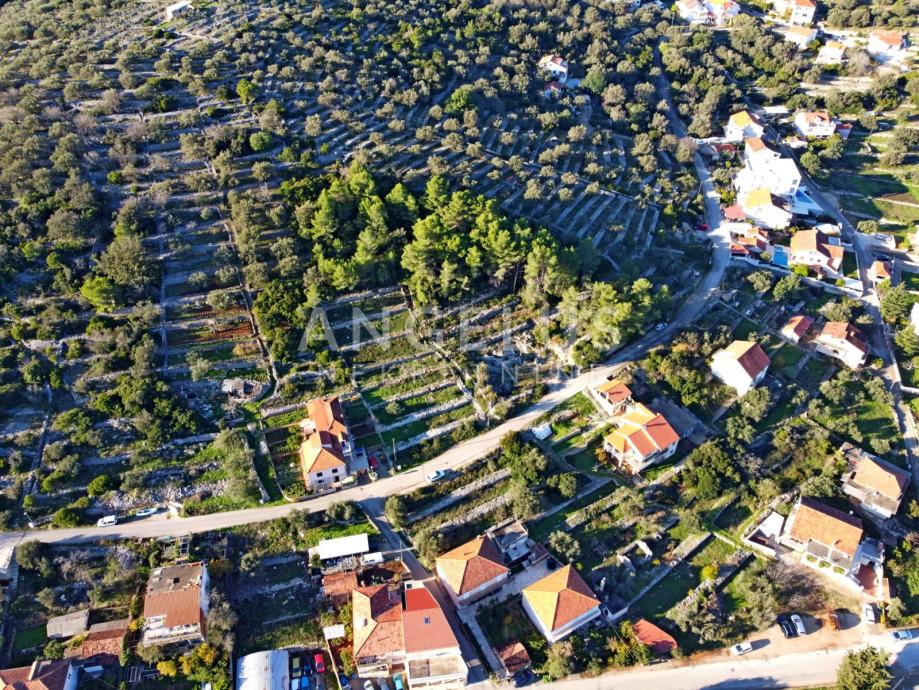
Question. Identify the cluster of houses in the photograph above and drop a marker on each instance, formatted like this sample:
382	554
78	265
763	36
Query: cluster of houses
642	436
833	541
175	609
716	12
555	598
769	186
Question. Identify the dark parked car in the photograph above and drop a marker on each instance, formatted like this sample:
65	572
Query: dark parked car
524	677
788	630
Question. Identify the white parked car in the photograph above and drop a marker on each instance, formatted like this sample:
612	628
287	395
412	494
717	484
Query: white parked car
901	635
741	649
870	615
798	622
368	685
146	512
107	521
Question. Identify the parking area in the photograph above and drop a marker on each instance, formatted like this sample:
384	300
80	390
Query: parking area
307	670
771	643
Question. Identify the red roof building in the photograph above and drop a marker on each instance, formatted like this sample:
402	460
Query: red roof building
660	641
176	604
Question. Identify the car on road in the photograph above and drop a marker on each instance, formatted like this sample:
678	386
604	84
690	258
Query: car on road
319	662
661	326
107	521
900	635
785	625
146	512
437	475
741	649
798	622
870	615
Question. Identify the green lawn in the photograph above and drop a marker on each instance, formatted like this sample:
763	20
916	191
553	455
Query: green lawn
745	329
506	621
849	265
585	459
668	592
779	412
814	371
786	359
540	530
29	638
910	280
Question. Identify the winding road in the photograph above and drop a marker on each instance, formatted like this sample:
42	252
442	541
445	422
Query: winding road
459	455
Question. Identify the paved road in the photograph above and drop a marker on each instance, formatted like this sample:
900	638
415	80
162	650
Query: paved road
460	455
880	343
728	673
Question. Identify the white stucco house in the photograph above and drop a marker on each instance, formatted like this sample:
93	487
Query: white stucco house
766	209
742	365
815	124
887	46
765	168
742	125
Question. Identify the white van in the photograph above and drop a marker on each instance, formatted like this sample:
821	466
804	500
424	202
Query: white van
107	521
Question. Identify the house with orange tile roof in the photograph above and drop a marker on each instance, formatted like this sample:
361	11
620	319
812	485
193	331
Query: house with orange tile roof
337	587
873	484
472	570
817	251
641	438
323	461
887	46
379	643
328	455
832	541
799	12
660	641
742	125
103	643
612	396
843	341
797	327
433	658
176	604
560	603
741	365
41	675
407	629
815	124
879	271
514	657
